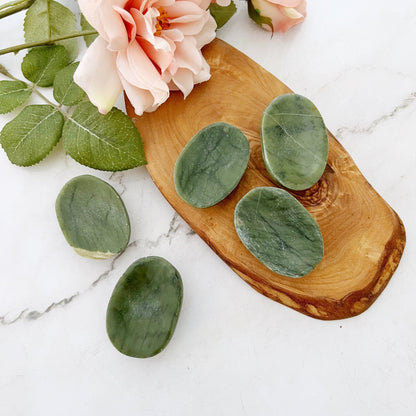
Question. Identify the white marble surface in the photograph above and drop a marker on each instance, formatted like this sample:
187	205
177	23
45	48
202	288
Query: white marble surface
234	351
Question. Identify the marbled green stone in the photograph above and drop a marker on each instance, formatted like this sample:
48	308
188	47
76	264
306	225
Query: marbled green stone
144	307
211	165
92	217
294	141
279	231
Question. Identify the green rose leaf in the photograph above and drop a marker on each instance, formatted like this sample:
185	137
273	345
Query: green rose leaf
106	142
257	17
40	65
12	94
46	19
65	91
222	14
86	26
29	137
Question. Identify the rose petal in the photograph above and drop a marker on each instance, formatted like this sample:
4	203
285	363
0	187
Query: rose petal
137	69
145	23
184	10
188	56
184	80
174	35
128	19
286	3
141	100
109	24
97	75
281	22
192	66
114	29
89	10
223	3
207	33
293	13
163	3
204	74
203	4
141	5
190	25
161	56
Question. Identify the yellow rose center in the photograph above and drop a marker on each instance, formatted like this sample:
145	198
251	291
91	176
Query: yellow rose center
162	21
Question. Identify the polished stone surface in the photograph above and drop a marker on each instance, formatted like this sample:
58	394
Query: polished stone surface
234	351
211	165
294	142
92	217
144	307
279	231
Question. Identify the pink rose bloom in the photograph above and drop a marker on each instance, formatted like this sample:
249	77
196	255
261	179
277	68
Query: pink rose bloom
283	13
147	48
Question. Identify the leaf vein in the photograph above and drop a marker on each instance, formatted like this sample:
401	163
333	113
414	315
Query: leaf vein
33	128
102	140
51	61
13	91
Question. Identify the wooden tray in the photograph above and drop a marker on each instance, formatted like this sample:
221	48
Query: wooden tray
363	237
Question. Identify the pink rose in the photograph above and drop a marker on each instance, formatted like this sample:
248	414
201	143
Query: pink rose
283	13
147	48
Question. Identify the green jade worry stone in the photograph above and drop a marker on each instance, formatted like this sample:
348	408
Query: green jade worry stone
279	231
211	165
144	307
92	217
294	142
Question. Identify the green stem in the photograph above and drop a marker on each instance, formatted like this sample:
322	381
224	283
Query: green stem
56	107
46	42
37	92
14	7
34	89
6	73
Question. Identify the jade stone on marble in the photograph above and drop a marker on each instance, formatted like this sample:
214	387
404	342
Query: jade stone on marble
92	217
144	307
294	142
279	231
211	165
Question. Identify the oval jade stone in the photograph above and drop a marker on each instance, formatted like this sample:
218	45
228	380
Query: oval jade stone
92	217
211	165
144	307
279	231
294	141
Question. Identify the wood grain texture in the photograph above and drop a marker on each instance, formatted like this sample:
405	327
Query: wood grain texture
363	237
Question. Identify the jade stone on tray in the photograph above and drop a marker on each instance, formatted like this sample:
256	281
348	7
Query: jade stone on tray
211	165
92	217
279	231
294	142
144	307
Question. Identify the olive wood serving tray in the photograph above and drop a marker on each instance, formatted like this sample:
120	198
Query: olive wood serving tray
363	237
